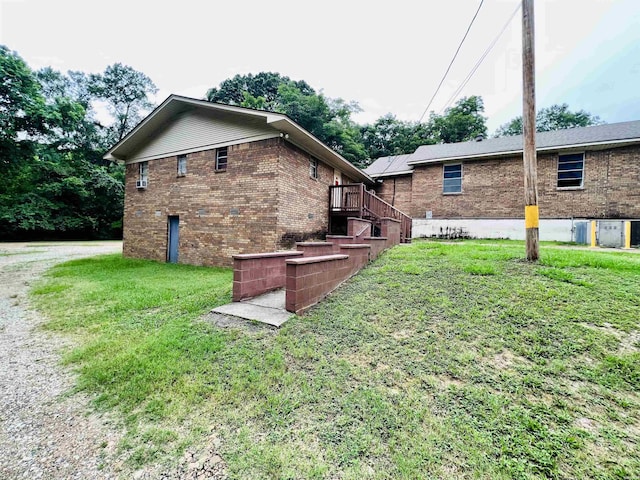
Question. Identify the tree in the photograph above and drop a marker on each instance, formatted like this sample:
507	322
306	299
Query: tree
126	92
460	123
55	182
326	118
555	117
242	89
22	108
390	136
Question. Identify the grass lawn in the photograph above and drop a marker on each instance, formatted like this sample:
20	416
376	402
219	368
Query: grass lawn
436	361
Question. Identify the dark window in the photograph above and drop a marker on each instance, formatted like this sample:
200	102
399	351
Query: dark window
570	170
313	168
182	165
221	158
452	182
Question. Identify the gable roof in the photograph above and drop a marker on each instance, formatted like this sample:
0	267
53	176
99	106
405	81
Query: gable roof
599	136
392	165
277	124
582	137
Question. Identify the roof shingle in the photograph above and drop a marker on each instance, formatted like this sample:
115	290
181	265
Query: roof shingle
557	139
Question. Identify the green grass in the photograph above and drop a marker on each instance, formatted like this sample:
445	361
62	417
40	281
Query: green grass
436	361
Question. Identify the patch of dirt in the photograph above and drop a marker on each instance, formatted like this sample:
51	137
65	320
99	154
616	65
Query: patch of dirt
229	321
196	464
630	343
445	381
506	360
402	334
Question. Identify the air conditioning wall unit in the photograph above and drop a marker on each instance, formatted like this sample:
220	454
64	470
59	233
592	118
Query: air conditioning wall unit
141	184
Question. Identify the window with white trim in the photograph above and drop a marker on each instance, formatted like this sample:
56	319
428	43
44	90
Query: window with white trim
571	170
313	168
182	165
221	158
452	178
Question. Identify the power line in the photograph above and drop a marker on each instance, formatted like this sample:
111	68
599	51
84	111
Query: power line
479	62
451	63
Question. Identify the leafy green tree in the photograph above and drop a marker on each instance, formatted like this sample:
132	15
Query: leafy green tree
22	108
390	136
460	123
555	117
263	85
55	182
326	118
126	92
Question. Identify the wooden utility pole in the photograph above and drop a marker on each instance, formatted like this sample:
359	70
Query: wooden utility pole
531	214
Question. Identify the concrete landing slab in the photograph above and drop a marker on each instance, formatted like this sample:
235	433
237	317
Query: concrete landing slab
267	308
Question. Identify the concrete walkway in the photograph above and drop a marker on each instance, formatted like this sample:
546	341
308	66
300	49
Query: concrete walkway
267	308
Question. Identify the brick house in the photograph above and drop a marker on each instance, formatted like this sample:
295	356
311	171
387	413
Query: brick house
476	188
206	181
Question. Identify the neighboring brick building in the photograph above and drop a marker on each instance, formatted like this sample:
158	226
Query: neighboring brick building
206	181
477	187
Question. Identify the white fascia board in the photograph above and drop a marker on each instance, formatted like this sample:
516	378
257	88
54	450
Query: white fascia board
627	141
390	174
286	125
145	121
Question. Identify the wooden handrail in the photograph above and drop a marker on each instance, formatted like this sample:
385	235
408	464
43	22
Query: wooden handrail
354	197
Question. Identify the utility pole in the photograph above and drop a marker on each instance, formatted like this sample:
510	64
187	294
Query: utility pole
531	214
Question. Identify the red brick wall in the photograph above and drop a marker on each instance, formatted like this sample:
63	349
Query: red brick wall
494	188
264	201
397	191
255	274
221	213
303	202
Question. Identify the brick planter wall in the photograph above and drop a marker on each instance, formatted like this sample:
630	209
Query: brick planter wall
359	255
315	249
258	273
390	228
378	244
314	270
338	240
310	279
358	228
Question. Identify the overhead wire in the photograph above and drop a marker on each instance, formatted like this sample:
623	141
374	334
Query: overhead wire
392	158
451	63
479	62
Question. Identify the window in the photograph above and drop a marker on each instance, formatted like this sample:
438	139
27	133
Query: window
570	170
221	158
452	182
143	175
313	168
143	171
182	165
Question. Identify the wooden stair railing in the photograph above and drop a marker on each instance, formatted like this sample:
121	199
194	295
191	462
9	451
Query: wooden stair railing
355	199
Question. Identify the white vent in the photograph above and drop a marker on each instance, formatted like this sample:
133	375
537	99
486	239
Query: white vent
141	184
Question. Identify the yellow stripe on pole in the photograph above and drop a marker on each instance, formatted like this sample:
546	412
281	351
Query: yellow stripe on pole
627	234
531	216
593	233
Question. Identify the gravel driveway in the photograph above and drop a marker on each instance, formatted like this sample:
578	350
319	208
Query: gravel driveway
45	433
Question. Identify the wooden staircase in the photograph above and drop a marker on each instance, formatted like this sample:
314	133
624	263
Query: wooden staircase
354	200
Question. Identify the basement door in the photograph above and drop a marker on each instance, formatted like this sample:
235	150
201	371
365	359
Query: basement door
172	240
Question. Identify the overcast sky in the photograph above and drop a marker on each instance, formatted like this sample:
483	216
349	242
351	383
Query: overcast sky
389	56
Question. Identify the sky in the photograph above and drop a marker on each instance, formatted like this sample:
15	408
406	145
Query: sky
388	56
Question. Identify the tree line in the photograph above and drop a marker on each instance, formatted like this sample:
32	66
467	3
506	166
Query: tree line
55	182
57	185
